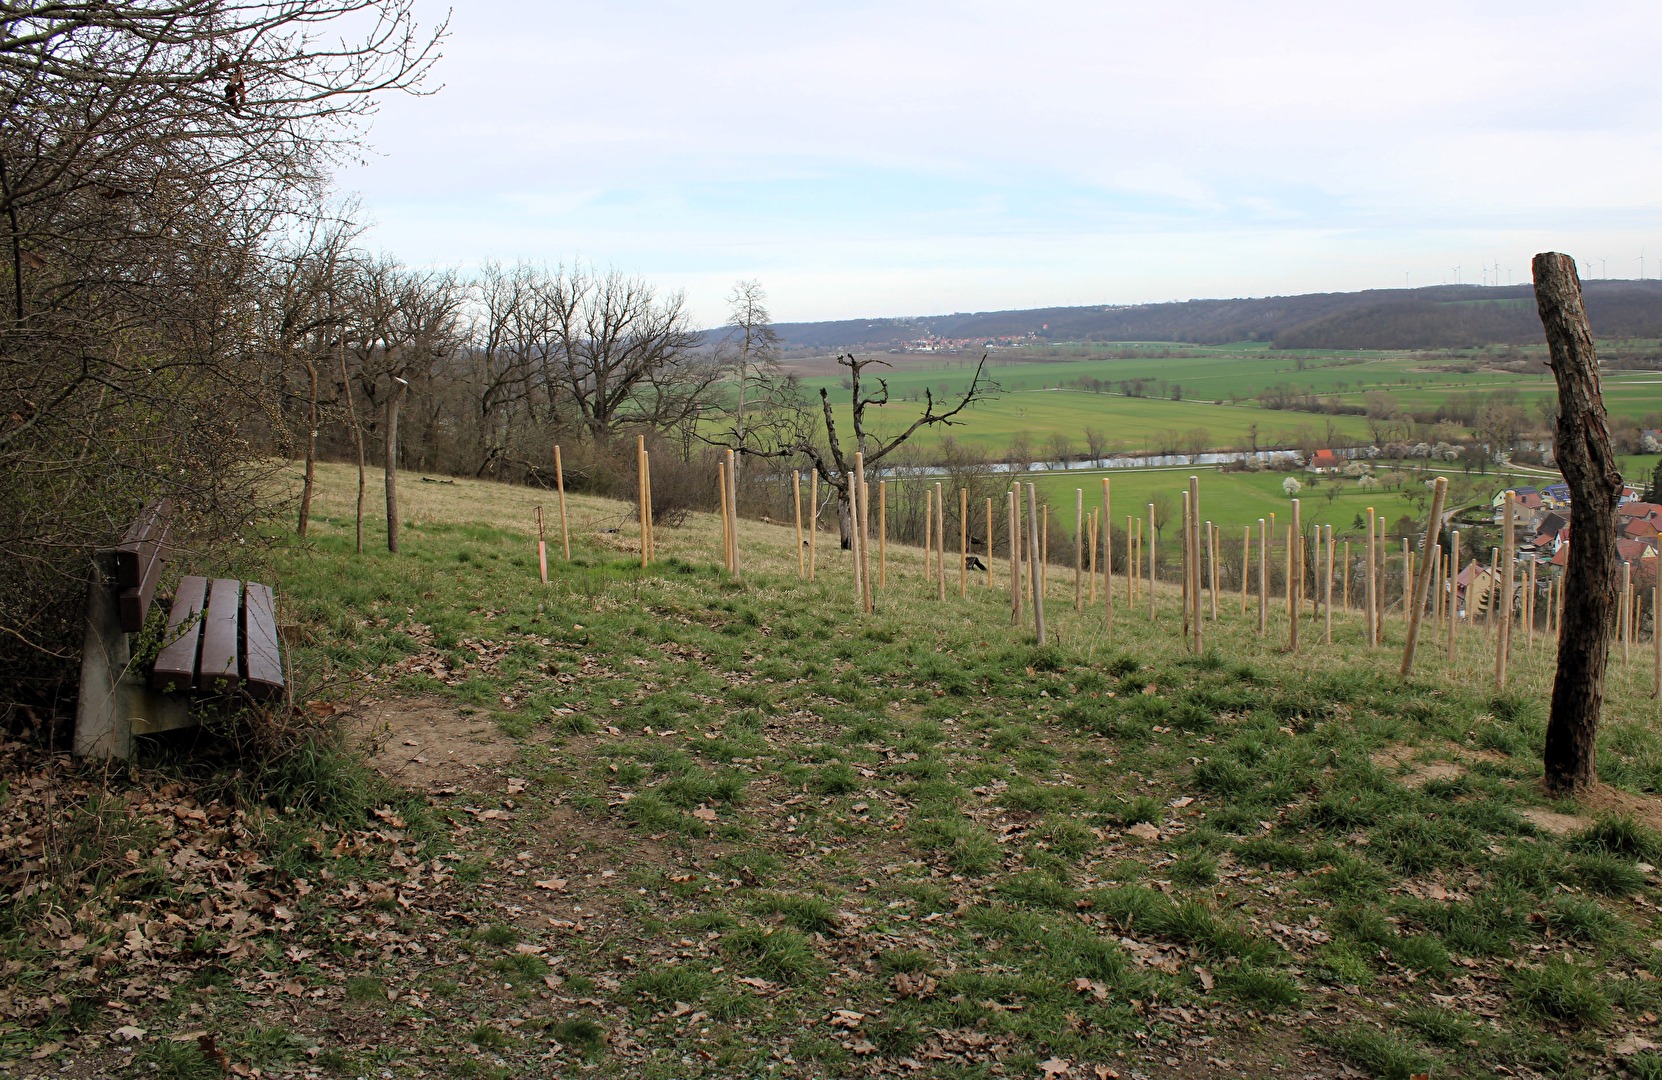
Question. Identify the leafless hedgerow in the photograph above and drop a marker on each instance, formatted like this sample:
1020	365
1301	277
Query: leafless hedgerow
151	154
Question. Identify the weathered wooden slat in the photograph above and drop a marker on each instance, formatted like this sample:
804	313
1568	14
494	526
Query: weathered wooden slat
263	665
145	540
219	671
134	602
175	667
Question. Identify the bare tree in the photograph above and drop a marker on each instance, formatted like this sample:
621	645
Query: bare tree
621	355
793	428
151	152
1096	443
751	339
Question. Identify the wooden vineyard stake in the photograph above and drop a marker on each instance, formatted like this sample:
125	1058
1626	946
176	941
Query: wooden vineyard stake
989	542
1369	579
1151	561
963	543
1183	564
1655	633
1132	569
1033	563
1194	563
940	542
863	527
640	493
928	531
1246	559
1079	549
1213	535
1269	558
865	541
883	533
796	498
651	520
733	505
1407	578
560	486
1107	558
1422	584
1379	582
1092	532
1453	590
1624	610
1263	578
854	537
1014	515
1291	561
726	535
1494	591
542	549
1327	595
1508	562
1295	579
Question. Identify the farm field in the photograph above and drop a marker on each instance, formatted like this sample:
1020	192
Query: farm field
663	823
1131	425
1227	374
1232	500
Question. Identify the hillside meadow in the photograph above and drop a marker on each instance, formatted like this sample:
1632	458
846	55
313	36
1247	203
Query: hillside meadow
664	822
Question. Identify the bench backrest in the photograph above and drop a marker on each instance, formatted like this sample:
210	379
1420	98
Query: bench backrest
138	562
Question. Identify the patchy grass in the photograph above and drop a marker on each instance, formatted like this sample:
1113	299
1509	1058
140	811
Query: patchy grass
740	829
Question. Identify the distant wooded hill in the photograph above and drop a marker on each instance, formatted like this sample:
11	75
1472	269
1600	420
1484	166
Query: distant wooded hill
1437	317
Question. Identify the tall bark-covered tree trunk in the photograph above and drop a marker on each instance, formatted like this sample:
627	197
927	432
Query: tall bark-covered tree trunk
845	516
394	400
1585	457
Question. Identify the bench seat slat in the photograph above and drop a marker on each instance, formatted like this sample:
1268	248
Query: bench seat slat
176	664
219	671
263	662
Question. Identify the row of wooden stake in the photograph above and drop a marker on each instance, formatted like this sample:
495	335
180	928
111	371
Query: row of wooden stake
1429	584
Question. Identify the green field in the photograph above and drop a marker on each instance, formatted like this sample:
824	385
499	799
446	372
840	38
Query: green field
1214	389
1234	499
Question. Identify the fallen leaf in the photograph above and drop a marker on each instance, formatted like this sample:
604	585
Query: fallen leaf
516	785
1055	1067
553	884
704	813
127	1034
1143	831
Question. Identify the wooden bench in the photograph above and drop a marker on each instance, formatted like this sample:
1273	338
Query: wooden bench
221	642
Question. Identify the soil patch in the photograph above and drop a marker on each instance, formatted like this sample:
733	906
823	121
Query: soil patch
1604	799
426	743
1553	822
1420	773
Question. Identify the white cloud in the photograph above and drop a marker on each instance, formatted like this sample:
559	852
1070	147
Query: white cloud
912	155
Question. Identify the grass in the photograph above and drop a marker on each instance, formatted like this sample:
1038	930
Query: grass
776	814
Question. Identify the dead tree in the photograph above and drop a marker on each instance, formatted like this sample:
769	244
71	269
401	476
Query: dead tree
1589	467
792	429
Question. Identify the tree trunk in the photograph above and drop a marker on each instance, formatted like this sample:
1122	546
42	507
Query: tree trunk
1589	466
394	400
845	516
358	442
311	454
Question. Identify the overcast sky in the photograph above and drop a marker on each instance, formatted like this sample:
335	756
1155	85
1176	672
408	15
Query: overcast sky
910	157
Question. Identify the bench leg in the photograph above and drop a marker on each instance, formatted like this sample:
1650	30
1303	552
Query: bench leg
103	725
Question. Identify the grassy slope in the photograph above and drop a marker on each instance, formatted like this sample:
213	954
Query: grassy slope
762	835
